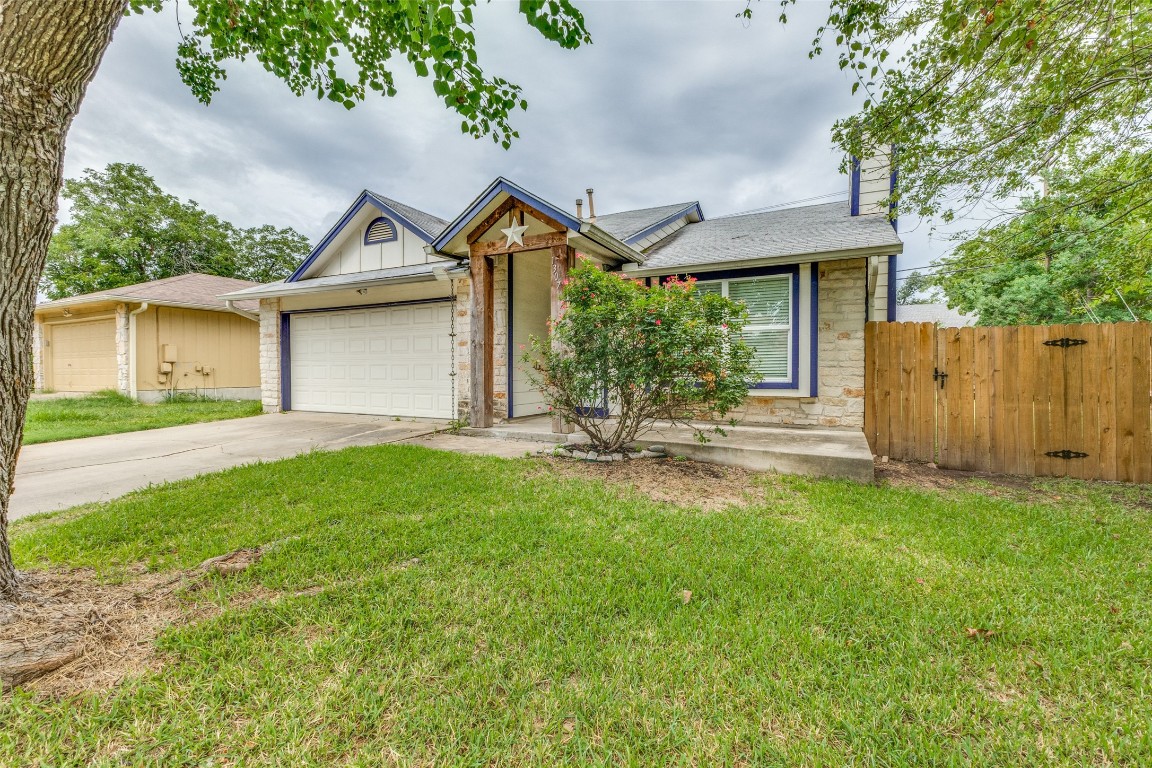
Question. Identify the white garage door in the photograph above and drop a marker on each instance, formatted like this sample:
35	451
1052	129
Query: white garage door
390	361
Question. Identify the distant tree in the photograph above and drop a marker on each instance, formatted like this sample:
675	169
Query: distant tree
916	288
1061	260
125	229
265	254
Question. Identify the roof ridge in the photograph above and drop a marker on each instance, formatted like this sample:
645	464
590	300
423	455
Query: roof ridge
684	204
391	201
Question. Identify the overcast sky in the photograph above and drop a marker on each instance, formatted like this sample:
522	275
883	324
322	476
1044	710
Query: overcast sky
674	101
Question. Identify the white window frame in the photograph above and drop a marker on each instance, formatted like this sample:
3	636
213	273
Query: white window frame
787	277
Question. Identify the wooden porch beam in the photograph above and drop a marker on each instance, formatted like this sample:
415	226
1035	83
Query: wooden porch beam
490	220
531	243
512	204
563	257
481	344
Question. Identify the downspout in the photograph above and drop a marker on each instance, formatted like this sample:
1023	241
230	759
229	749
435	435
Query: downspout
132	348
253	316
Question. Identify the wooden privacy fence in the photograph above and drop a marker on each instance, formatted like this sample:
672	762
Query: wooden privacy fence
1055	400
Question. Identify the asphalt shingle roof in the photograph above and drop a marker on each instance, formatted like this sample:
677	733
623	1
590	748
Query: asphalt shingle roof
787	232
624	224
193	288
432	225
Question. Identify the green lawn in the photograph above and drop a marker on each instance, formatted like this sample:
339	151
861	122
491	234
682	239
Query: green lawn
543	624
108	413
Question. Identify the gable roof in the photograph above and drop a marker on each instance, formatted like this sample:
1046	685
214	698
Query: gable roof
429	224
194	289
423	225
631	225
807	230
491	192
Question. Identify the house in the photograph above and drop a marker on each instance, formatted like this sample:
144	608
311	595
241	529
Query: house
402	313
941	314
152	338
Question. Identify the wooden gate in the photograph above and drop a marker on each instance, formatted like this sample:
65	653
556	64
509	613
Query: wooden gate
1058	400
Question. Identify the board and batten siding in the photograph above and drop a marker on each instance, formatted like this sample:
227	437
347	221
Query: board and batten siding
350	255
224	345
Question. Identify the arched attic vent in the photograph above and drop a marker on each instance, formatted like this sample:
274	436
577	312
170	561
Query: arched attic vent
381	230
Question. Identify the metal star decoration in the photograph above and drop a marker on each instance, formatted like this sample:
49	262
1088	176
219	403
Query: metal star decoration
515	234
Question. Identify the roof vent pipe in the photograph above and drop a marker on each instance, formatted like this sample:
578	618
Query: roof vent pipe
591	205
580	208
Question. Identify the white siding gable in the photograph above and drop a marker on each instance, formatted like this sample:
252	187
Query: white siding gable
348	254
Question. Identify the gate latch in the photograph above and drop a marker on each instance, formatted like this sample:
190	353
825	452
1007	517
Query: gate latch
1066	454
1065	342
940	376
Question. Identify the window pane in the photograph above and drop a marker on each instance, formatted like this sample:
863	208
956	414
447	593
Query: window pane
767	299
770	350
713	287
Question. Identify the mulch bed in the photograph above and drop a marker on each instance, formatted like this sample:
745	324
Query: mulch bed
675	481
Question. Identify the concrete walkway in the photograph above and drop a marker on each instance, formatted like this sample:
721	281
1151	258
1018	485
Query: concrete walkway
812	451
53	476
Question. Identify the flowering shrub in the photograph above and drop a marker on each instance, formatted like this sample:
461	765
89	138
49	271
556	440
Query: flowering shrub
623	356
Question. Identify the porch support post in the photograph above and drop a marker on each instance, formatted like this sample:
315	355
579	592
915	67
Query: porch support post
563	257
480	314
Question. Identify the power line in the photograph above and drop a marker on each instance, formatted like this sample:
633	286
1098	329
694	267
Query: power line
766	208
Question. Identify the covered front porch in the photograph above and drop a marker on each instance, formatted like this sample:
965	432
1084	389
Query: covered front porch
519	250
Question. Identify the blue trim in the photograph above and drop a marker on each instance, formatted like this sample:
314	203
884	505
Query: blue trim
814	333
366	306
391	225
892	178
502	184
365	198
509	342
633	239
892	288
735	274
854	188
285	362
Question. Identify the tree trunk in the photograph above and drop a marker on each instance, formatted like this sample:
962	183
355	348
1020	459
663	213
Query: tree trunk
49	52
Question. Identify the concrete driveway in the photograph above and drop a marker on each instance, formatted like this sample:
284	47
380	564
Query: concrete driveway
53	476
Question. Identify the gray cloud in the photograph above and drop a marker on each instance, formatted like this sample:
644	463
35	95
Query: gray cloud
673	101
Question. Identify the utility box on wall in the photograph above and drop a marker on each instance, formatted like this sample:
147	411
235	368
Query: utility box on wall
168	353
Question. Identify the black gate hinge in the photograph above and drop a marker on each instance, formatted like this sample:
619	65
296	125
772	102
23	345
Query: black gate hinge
1066	454
1065	342
940	376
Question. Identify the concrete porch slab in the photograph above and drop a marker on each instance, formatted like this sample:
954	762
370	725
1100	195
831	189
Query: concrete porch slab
790	450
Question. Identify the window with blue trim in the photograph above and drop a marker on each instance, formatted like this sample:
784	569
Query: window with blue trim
769	330
381	230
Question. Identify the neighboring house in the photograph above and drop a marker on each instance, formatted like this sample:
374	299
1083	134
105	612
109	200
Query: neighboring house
398	312
152	338
940	314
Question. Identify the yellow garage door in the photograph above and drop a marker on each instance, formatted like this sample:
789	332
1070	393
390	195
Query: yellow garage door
82	356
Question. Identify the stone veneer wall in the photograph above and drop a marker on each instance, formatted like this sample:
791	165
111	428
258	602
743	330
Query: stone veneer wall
37	355
123	354
270	354
500	343
840	400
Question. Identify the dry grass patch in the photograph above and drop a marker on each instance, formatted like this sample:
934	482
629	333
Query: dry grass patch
77	631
